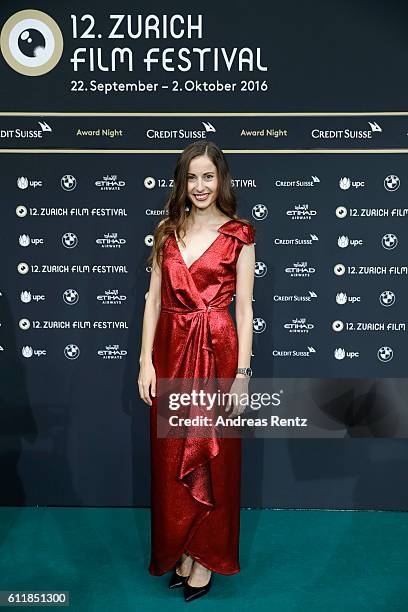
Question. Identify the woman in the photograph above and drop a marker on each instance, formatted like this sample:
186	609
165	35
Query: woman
188	333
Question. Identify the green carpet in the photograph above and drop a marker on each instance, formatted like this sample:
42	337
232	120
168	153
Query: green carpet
291	560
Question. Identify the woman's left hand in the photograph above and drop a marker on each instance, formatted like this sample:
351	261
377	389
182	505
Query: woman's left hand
239	388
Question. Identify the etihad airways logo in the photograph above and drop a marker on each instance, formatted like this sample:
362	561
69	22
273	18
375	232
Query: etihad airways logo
181	134
110	182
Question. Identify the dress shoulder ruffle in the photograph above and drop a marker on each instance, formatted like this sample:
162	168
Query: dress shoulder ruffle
243	231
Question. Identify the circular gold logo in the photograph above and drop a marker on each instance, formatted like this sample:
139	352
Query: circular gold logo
31	42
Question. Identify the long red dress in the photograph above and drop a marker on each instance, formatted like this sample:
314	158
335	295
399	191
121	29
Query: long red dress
195	485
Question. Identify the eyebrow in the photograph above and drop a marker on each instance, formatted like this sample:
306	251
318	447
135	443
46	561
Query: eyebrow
207	172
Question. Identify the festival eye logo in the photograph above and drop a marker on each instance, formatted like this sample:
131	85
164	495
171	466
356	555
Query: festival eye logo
31	42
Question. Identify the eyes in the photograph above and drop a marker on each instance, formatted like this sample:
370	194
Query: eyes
207	177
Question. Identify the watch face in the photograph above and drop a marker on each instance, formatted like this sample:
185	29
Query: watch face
249	371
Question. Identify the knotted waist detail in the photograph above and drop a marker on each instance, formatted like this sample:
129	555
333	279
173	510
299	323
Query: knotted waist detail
207	331
183	311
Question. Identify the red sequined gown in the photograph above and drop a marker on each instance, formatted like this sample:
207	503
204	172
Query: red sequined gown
195	486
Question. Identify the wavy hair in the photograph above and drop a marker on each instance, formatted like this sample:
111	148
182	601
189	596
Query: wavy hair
177	202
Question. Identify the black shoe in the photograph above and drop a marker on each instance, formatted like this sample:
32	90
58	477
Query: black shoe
177	581
191	592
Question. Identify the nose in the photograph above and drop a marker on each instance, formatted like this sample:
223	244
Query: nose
200	184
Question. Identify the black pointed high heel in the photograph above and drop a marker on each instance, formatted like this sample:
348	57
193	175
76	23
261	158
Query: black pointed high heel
177	581
191	592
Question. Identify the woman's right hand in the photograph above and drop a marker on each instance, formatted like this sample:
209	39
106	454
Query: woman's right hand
147	380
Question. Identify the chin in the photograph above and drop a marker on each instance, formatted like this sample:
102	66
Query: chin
203	204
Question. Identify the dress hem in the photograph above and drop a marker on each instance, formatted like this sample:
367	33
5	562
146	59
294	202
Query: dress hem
231	573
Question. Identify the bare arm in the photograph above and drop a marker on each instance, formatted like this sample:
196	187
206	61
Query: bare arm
243	304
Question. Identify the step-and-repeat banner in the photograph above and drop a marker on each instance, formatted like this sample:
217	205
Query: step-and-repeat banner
96	103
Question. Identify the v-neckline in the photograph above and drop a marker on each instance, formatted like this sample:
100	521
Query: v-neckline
204	252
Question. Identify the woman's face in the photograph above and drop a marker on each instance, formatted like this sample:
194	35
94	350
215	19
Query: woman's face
202	182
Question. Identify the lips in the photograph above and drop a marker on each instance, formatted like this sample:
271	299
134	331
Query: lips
201	196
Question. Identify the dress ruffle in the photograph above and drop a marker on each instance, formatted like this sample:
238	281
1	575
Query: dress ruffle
243	231
194	470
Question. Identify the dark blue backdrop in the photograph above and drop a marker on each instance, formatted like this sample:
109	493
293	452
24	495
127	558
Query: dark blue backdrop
73	431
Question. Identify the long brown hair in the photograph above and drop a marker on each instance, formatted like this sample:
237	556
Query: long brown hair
178	201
